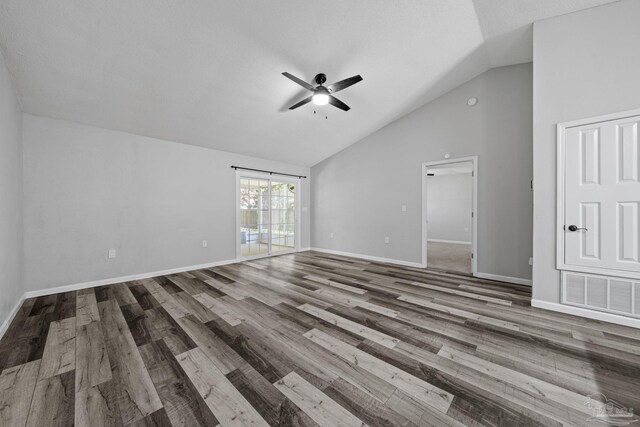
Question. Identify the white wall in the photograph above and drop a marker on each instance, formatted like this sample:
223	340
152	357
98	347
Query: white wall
449	206
357	194
585	64
11	285
88	190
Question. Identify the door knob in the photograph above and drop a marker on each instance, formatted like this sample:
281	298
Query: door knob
576	228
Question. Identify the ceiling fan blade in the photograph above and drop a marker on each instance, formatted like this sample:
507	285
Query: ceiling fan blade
337	103
301	103
343	84
299	81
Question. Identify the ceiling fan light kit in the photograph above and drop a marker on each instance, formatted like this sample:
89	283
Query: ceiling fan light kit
323	95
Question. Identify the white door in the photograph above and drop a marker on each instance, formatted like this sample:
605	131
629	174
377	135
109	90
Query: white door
602	197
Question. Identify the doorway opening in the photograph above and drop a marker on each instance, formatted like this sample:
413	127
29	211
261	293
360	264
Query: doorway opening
449	213
267	215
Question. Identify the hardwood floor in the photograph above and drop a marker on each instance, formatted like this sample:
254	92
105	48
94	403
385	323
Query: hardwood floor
309	339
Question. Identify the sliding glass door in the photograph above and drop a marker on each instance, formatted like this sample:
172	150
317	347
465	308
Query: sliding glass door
267	216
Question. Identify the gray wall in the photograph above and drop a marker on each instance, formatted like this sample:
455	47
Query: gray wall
449	206
11	288
357	194
88	190
585	64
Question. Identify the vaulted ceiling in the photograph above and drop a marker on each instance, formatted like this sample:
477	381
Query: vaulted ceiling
208	72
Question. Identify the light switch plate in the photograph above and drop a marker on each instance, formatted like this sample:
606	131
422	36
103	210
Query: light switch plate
112	253
205	243
404	208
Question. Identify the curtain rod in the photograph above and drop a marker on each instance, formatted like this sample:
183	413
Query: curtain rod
269	172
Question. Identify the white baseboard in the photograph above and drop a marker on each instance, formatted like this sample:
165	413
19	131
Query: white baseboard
11	316
516	280
305	249
370	258
589	314
455	242
121	279
113	280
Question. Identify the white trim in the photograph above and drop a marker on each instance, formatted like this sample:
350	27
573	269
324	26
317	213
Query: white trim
560	199
589	314
622	274
602	118
454	242
11	316
121	279
560	234
509	279
369	257
474	220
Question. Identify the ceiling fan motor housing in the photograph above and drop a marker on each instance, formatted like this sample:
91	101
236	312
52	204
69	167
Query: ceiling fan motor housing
321	78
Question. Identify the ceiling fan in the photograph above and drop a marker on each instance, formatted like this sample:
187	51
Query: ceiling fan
322	95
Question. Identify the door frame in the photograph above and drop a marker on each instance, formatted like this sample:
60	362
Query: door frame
474	218
560	199
269	177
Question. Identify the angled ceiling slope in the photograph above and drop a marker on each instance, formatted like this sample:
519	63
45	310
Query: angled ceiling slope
208	73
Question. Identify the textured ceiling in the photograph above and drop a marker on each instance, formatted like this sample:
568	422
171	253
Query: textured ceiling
207	72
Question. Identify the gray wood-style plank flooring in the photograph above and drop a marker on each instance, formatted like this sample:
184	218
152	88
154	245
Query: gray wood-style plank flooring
310	339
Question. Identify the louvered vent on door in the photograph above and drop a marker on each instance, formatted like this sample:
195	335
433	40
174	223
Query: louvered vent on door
574	288
610	294
596	292
621	299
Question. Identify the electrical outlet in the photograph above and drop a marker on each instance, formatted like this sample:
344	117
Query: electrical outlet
531	261
404	208
205	243
331	234
112	253
304	209
386	239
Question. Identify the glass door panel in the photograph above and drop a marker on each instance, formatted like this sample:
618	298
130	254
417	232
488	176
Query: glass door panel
254	217
283	208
